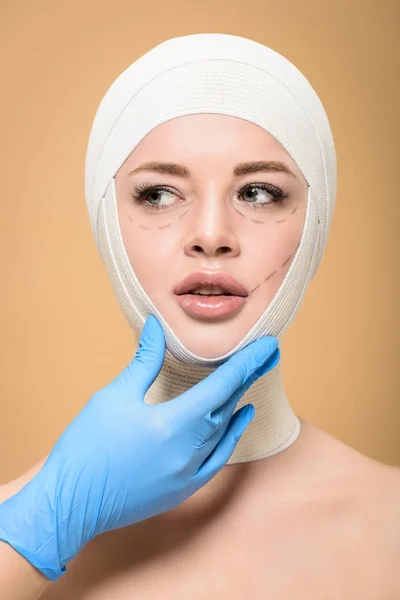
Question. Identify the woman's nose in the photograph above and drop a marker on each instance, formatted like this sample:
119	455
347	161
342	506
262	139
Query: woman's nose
210	228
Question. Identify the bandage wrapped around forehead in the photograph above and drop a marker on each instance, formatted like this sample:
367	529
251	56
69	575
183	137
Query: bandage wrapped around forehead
228	75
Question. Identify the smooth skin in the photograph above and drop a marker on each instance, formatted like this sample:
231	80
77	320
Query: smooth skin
19	580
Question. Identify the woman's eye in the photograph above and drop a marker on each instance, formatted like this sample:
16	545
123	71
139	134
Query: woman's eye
149	196
262	195
153	196
255	193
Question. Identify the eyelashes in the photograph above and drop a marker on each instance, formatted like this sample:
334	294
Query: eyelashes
142	191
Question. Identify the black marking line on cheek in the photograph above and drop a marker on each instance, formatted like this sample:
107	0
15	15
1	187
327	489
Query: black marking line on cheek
183	214
164	226
143	227
254	289
287	260
294	210
269	276
255	221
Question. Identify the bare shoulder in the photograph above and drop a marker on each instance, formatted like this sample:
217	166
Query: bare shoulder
383	500
379	492
354	513
373	493
376	510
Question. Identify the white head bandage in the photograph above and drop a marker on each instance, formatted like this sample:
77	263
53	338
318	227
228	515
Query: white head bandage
228	75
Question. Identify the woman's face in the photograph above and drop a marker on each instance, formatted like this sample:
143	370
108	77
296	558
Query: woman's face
216	218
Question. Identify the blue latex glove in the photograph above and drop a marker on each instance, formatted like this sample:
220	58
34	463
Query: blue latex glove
121	460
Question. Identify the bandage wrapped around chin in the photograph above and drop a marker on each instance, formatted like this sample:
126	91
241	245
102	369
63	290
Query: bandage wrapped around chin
228	75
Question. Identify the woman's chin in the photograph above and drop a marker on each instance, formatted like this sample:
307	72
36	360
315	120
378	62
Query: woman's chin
208	337
211	341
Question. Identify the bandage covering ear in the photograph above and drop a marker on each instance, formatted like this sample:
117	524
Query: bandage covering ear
228	75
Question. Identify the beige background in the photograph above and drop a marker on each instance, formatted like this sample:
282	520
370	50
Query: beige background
63	335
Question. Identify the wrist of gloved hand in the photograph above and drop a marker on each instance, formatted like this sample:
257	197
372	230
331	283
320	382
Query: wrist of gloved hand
43	525
28	524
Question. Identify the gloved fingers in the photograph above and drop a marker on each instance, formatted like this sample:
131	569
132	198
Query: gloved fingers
269	364
213	391
213	424
217	421
205	445
148	360
224	412
218	456
219	417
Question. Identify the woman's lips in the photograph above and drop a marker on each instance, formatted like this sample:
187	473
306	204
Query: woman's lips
198	305
219	279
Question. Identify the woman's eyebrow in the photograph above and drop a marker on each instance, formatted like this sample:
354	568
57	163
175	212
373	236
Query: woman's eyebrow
239	169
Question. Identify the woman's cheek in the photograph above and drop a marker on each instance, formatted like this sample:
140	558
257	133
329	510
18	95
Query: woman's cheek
273	251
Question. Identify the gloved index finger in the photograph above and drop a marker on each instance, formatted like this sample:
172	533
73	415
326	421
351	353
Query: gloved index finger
213	391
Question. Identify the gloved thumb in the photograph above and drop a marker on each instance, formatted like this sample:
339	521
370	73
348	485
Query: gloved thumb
149	358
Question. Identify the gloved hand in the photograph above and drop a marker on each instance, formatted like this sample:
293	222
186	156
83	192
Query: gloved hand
121	460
